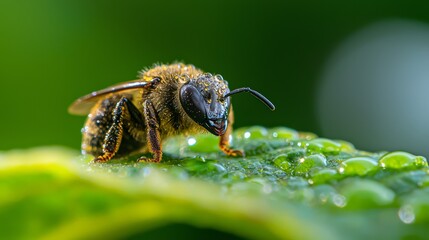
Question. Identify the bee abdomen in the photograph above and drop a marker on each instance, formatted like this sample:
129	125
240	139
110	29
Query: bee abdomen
98	124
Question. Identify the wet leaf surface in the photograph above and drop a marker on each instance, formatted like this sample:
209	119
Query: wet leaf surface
290	185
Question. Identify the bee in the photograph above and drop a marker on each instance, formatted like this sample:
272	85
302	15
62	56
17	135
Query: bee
166	100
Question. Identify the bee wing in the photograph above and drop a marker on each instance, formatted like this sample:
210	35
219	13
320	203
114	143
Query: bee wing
83	105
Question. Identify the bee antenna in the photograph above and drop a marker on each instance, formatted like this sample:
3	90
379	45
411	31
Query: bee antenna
259	96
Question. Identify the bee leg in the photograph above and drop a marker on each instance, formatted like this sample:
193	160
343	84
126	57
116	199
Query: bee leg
224	139
153	135
123	111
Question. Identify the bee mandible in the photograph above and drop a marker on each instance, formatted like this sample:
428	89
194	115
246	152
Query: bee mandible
166	100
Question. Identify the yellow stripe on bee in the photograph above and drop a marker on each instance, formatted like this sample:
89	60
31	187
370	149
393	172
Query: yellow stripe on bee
147	78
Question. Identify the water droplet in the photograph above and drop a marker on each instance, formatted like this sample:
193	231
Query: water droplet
145	172
357	166
255	132
199	158
323	197
307	135
346	146
84	129
324	193
365	193
218	167
406	214
192	141
247	135
420	161
398	160
305	164
236	175
281	161
323	145
323	175
203	143
265	186
282	133
339	200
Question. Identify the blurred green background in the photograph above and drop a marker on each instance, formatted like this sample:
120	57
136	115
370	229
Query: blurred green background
52	52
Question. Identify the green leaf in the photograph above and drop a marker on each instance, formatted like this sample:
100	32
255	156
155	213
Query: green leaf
289	187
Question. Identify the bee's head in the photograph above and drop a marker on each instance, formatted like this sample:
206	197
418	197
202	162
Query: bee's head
206	101
203	101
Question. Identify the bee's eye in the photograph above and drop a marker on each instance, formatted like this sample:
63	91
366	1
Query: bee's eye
193	103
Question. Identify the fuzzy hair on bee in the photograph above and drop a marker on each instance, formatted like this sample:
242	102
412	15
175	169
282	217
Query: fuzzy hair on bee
165	100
